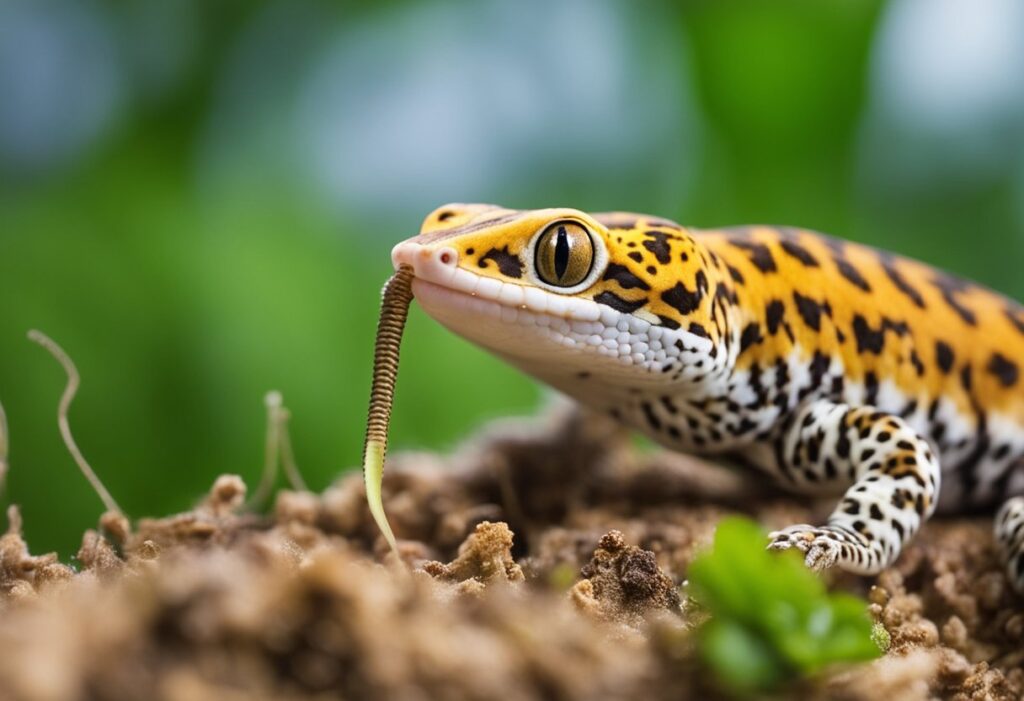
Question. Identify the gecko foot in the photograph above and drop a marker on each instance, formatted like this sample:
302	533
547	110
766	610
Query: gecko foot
822	546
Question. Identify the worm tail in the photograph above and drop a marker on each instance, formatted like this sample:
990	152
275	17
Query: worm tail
393	312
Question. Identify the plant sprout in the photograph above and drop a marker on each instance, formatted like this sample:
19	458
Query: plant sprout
772	620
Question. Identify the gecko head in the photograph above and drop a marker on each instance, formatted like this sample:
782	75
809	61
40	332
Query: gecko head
564	294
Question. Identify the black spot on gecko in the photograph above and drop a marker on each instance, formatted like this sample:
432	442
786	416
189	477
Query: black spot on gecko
658	245
617	303
773	313
668	322
872	341
915	360
702	282
799	252
736	275
781	374
898	527
682	299
652	420
760	254
744	426
751	336
626	279
966	380
838	384
811	311
843	446
820	364
758	387
508	264
1014	317
950	286
636	256
944	357
867	338
724	294
1004	369
966	470
698	330
848	271
897	279
870	388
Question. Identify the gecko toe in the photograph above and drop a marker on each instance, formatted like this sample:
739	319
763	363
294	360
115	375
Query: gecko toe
822	554
821	548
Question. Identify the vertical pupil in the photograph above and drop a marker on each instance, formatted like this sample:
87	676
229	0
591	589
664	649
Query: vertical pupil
561	252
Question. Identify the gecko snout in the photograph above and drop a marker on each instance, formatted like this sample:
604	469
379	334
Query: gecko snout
426	261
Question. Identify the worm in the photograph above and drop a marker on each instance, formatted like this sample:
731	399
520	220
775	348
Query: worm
394	310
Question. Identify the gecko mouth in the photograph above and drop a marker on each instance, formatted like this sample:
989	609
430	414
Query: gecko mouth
442	302
514	331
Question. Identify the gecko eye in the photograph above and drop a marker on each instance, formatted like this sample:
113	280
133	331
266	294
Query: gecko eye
564	254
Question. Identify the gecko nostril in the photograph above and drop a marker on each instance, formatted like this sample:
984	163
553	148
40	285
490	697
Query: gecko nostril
447	256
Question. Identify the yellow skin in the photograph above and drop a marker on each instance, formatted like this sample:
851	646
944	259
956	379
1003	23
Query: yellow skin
835	368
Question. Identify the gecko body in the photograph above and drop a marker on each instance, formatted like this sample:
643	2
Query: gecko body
834	368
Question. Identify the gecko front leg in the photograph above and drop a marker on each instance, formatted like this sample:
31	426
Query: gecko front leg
890	474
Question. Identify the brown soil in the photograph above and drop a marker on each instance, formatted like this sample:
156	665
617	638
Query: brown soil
546	559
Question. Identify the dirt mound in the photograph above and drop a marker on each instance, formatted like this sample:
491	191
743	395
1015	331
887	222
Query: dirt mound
545	560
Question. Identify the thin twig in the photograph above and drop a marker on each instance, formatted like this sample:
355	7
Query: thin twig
62	416
271	451
5	445
291	470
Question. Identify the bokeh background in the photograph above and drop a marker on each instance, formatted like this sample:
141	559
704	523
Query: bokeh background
197	199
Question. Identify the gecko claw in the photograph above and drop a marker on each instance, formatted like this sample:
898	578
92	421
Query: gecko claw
820	546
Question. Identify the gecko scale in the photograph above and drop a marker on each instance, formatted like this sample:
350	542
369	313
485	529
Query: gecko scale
834	368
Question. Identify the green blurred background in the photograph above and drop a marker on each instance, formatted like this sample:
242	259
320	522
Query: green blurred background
197	199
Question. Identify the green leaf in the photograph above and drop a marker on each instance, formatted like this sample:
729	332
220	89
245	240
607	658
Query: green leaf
772	619
739	658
